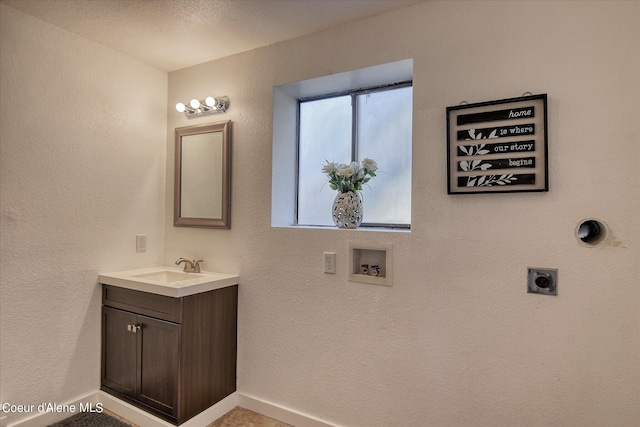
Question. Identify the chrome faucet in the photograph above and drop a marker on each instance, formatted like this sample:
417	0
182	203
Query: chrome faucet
190	266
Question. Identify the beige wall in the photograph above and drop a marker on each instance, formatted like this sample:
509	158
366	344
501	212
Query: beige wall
83	138
457	340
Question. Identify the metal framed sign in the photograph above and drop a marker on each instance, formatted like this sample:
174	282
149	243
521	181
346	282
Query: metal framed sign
498	146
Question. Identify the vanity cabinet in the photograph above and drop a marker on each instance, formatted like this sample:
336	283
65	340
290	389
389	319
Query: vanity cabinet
173	357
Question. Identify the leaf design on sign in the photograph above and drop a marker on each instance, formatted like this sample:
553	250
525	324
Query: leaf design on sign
474	150
506	179
481	149
465	165
489	180
473	135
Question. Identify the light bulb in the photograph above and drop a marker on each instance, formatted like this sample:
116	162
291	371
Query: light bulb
194	103
180	107
210	101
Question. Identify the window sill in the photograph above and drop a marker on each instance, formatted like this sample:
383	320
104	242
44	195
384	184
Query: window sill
329	228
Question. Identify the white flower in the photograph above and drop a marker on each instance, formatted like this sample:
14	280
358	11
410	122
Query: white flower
349	177
344	170
369	165
329	168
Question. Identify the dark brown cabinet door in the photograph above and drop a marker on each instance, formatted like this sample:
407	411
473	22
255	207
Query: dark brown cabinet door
119	351
159	362
141	358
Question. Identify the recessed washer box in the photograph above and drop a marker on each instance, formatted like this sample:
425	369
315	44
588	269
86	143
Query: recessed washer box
370	255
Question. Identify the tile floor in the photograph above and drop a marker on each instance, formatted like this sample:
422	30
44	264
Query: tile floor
237	417
240	417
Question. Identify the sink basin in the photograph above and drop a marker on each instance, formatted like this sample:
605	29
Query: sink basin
168	276
169	281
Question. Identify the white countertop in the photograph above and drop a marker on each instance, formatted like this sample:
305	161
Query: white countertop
169	281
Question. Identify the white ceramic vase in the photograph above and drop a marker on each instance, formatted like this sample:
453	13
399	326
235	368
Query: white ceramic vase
347	210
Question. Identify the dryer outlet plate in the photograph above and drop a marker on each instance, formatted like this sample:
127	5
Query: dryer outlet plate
542	281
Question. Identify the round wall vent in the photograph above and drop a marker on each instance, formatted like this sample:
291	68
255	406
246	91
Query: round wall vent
591	231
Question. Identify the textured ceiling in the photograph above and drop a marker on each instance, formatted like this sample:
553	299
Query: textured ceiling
174	34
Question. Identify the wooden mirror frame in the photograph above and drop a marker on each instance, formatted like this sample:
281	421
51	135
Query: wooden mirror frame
225	220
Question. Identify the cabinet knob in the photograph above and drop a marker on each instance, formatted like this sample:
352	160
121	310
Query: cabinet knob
133	328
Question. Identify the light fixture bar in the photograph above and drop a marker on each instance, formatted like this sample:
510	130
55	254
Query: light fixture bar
209	105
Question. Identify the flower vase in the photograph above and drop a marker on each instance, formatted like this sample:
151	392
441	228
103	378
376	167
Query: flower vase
347	210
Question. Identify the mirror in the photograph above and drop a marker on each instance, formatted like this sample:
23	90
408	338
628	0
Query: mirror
203	176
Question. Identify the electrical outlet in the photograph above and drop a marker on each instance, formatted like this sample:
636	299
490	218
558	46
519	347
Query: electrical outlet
141	242
329	262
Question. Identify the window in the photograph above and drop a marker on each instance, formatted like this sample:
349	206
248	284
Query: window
310	127
374	123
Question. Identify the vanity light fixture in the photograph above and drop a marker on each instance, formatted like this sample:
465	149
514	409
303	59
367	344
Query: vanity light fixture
209	105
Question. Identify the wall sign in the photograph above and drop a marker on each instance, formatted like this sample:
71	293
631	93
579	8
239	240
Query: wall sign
498	146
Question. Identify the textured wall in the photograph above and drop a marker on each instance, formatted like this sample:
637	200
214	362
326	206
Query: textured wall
83	134
457	340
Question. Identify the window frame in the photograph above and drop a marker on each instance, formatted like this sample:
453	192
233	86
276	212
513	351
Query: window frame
353	93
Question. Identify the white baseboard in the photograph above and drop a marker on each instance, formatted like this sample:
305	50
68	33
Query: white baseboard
41	418
123	409
281	413
142	418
